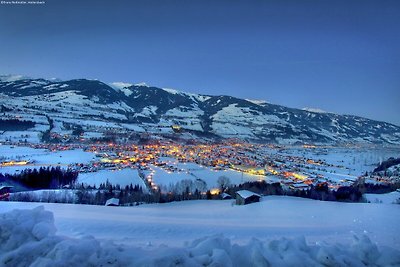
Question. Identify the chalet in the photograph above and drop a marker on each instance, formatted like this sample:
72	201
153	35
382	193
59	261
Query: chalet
244	197
5	191
112	202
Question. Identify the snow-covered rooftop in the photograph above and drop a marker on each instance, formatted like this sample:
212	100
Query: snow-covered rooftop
246	193
112	202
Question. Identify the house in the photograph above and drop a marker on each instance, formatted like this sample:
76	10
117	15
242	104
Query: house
244	197
112	202
5	191
299	186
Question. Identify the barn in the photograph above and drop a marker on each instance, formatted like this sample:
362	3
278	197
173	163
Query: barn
244	197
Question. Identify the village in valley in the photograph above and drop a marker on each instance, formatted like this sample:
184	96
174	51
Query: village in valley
199	133
164	168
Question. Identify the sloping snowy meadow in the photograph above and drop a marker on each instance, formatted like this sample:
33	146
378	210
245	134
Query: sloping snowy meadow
278	231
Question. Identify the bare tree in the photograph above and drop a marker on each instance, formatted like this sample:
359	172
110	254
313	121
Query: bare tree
223	183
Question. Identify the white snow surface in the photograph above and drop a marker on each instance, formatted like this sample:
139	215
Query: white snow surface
257	101
41	157
123	87
193	171
388	198
290	232
171	91
122	177
120	85
315	110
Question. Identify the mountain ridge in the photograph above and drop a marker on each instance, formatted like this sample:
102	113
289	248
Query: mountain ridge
152	108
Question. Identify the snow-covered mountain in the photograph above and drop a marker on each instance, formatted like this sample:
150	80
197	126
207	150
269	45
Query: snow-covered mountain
98	107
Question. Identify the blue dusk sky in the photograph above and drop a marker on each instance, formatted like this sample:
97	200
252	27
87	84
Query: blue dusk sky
339	56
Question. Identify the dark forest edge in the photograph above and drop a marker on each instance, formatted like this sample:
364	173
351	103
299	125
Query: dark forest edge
69	191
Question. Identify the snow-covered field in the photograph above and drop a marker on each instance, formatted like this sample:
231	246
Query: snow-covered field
194	171
122	177
288	231
41	157
389	198
355	161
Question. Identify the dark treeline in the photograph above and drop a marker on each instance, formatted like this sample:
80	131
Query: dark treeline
322	192
387	164
51	178
381	188
15	125
132	195
319	192
261	188
42	178
46	135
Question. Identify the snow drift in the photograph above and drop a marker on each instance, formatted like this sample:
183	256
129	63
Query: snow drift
27	238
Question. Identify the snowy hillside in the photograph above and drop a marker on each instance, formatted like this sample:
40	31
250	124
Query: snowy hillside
59	107
279	231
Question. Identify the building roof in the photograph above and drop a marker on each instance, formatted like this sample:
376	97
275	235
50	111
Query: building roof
112	202
246	194
299	185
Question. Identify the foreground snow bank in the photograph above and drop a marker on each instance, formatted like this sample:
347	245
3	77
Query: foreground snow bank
27	238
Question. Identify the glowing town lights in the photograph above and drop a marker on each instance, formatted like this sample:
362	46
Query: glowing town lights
299	176
310	161
14	163
256	172
215	191
274	172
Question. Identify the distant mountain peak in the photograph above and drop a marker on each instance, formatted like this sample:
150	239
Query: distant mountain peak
120	85
258	101
171	91
100	106
13	77
142	84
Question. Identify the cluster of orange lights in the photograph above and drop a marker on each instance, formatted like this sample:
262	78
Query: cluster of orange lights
14	163
309	146
295	175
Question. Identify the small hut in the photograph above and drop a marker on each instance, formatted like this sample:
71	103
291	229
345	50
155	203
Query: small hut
112	202
244	197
